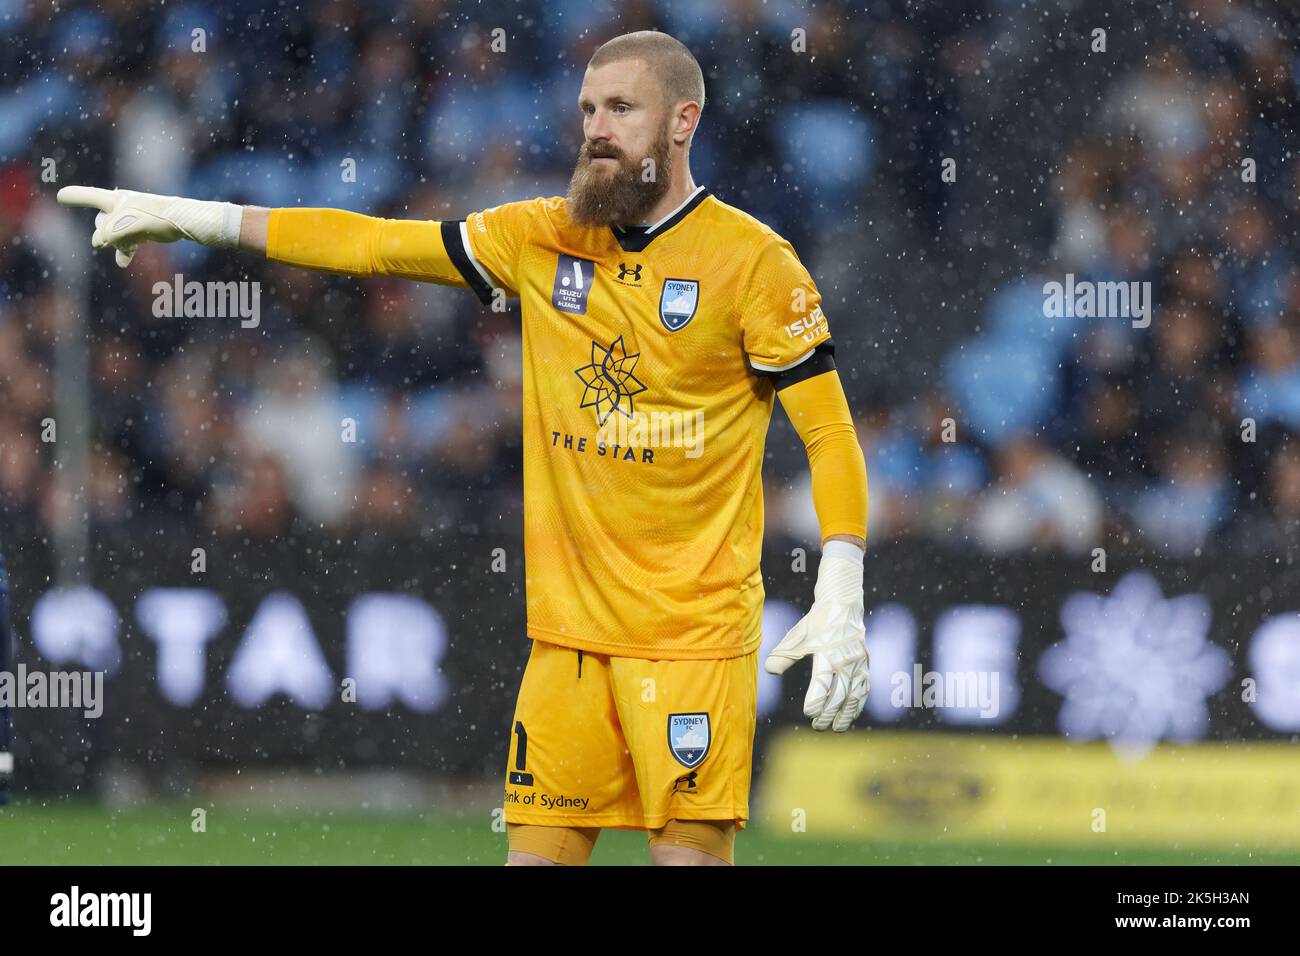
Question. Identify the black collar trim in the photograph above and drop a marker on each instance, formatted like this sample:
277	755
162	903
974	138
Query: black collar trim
636	238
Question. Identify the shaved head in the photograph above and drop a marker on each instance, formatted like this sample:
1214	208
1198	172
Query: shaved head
673	65
640	100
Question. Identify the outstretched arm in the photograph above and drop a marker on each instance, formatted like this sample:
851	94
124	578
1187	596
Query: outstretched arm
330	240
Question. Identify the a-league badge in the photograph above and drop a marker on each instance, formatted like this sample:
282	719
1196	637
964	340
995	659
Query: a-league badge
678	302
688	738
573	281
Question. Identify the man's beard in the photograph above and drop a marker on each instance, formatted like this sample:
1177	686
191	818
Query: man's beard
598	198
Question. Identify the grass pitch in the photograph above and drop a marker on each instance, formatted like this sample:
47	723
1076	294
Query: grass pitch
83	833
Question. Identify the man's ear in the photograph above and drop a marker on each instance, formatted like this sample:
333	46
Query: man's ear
685	119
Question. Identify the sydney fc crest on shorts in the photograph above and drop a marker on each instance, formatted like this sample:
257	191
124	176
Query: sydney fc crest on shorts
688	738
678	302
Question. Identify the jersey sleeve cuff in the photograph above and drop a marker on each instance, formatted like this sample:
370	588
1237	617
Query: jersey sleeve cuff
816	361
456	241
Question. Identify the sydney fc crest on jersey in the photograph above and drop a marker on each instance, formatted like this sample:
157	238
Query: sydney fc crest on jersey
688	738
678	302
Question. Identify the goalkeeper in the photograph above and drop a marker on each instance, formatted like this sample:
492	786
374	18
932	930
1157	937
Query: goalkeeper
646	304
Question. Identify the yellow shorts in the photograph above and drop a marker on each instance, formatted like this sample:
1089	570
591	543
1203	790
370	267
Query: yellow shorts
601	741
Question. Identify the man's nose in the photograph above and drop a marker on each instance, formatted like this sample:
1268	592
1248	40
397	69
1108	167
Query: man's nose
598	126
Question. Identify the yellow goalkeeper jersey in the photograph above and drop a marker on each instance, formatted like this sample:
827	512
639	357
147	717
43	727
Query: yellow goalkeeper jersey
651	356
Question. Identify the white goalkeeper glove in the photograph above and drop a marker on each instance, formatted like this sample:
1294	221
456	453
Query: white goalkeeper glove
833	633
126	219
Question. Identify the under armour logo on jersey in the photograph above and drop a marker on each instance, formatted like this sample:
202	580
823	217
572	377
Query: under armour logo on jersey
686	783
609	381
632	276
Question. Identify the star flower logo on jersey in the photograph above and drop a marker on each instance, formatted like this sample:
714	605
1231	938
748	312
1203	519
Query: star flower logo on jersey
1135	667
609	381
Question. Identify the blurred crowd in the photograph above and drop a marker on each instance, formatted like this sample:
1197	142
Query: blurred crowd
1014	429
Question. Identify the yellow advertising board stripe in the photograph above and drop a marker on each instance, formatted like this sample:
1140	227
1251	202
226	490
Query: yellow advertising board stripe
929	786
